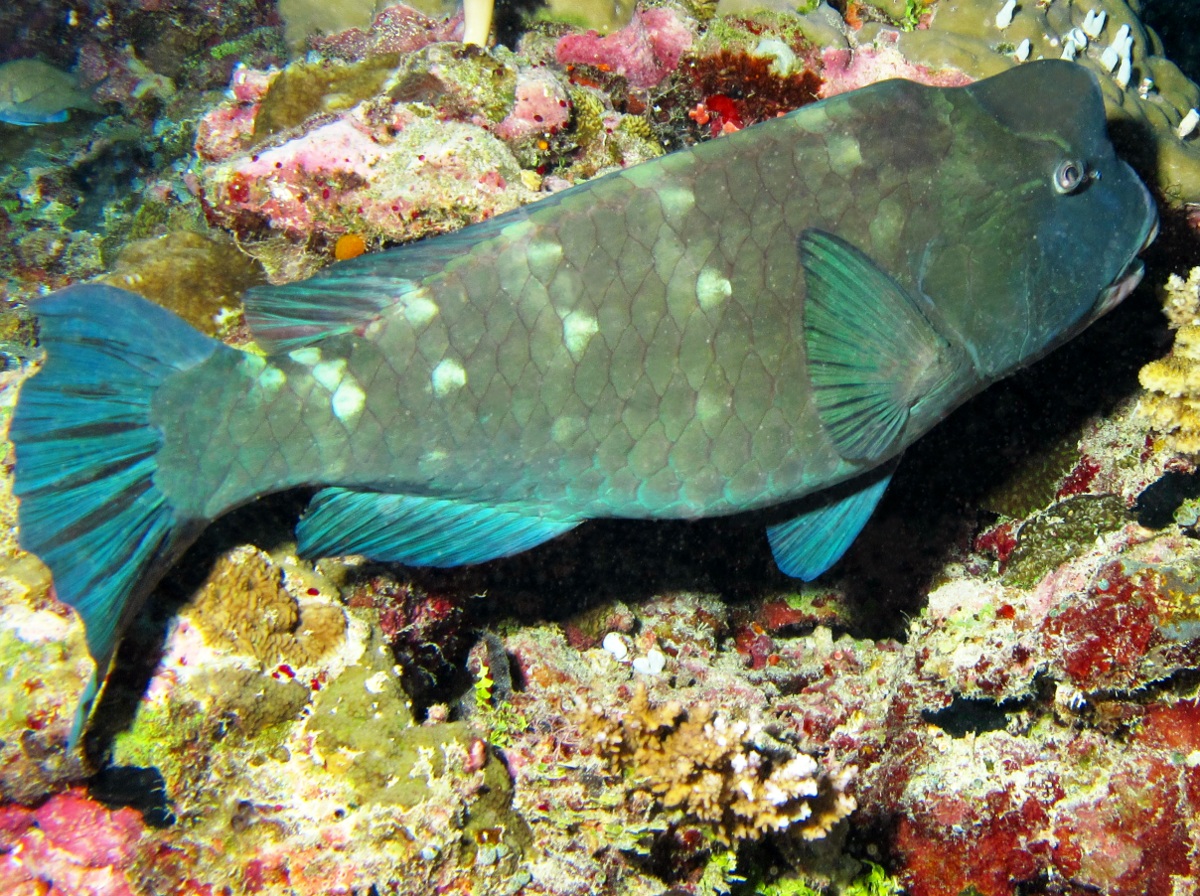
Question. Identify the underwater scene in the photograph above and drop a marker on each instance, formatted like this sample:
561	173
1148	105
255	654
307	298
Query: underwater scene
557	447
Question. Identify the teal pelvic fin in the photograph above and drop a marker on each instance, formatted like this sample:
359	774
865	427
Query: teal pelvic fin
85	457
872	352
807	545
418	531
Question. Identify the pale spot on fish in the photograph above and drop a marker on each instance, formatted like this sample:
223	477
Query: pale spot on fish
844	154
676	202
271	380
578	329
887	224
252	365
329	373
418	309
348	400
543	258
709	406
448	377
518	230
712	288
566	429
308	356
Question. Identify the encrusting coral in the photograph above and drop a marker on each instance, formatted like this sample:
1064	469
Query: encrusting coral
244	607
727	775
1172	405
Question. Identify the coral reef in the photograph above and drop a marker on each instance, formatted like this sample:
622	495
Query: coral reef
1171	404
243	607
1008	658
69	844
199	276
724	775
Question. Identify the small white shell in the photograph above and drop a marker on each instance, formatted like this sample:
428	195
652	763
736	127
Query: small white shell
1078	38
1005	16
1189	123
1023	50
650	664
1145	87
1069	50
615	645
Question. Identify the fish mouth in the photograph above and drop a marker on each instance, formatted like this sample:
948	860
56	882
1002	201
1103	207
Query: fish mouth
1131	275
1115	293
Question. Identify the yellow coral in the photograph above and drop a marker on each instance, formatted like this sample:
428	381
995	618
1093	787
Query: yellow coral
243	607
713	771
1181	299
1172	402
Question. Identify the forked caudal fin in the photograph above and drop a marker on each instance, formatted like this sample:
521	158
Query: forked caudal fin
85	457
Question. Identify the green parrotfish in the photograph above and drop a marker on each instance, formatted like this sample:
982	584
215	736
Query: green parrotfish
733	326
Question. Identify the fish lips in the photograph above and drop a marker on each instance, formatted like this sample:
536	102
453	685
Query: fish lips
1131	275
1116	293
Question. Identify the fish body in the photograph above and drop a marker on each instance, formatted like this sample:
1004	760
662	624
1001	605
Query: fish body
747	323
33	93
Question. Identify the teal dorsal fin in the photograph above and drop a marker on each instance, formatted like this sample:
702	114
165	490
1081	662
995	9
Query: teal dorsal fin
418	531
347	296
807	545
872	351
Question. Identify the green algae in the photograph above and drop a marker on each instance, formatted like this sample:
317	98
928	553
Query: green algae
1059	533
304	89
457	79
38	679
198	276
1036	480
216	710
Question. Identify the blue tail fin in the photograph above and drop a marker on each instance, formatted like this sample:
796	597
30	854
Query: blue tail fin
85	457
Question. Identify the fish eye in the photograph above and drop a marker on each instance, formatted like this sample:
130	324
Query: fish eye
1070	175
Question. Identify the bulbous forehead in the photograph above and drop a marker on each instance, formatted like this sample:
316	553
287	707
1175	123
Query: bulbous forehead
1050	99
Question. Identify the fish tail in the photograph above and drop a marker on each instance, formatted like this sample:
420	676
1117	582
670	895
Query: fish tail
86	452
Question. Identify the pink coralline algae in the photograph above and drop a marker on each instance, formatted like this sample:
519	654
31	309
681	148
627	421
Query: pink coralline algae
645	51
399	179
396	29
541	107
70	846
846	70
229	128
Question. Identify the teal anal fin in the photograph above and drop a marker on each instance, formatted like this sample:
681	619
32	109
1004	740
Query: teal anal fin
872	352
807	545
418	531
86	456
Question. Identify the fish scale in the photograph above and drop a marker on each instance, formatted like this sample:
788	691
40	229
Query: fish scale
770	317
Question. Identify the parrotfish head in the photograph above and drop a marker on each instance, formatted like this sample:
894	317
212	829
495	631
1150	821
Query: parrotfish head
1048	221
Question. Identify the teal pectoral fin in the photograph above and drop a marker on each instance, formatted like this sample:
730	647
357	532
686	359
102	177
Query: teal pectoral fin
872	351
807	545
419	531
85	457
